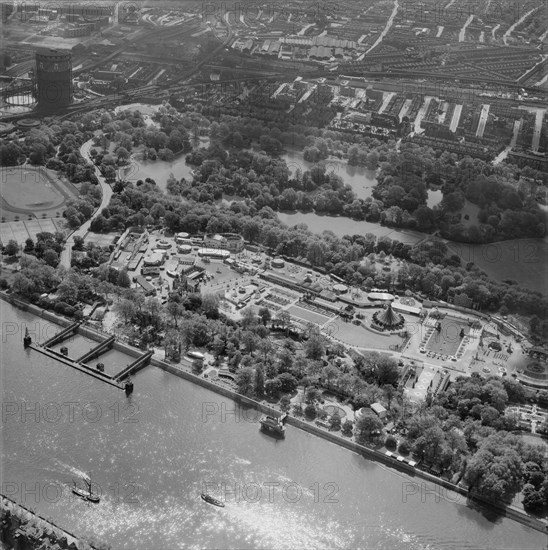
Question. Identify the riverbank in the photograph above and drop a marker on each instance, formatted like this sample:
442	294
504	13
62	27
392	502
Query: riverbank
509	511
23	528
371	454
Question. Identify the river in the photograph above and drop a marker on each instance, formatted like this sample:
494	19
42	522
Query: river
151	454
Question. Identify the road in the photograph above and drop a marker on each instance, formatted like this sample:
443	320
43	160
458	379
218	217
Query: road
508	33
482	120
462	32
539	116
385	30
83	229
420	115
504	154
456	117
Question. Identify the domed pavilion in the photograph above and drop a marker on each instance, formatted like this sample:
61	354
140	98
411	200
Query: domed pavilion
388	319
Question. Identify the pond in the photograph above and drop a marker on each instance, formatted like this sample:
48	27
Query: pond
341	226
160	170
359	178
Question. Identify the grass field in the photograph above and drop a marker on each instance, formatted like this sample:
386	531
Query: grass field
32	191
308	315
355	335
29	188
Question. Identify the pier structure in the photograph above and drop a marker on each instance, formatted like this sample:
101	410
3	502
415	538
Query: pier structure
97	350
76	365
63	335
81	363
138	364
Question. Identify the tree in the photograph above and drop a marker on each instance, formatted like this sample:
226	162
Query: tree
245	381
123	278
78	243
172	345
248	317
386	371
310	411
250	341
288	383
285	358
265	347
314	347
272	387
335	422
29	246
533	499
285	319
496	469
347	428
285	403
67	290
12	248
367	424
312	395
259	382
264	315
51	257
210	306
330	372
125	308
389	393
21	285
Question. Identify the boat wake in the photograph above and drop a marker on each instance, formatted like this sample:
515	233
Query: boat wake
67	468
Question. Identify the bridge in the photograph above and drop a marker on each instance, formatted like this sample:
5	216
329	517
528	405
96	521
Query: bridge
97	350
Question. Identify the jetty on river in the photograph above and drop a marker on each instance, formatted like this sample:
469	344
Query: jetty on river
81	363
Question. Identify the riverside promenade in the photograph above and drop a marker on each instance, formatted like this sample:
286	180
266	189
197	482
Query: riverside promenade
510	511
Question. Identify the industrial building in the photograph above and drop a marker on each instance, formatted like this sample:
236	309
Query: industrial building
53	79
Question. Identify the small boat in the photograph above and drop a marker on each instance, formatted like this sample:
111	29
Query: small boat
212	500
85	494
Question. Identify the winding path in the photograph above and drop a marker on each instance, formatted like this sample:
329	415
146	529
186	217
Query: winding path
84	228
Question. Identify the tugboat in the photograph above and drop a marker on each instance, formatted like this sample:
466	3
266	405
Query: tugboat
85	494
273	426
27	340
212	500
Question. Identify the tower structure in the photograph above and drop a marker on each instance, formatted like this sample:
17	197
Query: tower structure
53	79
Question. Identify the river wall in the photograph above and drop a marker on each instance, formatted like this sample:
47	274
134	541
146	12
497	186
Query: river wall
47	529
371	454
510	511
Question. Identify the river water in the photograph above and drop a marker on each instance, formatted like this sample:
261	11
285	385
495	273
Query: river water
150	456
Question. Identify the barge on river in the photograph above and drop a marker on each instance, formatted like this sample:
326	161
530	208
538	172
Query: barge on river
274	426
